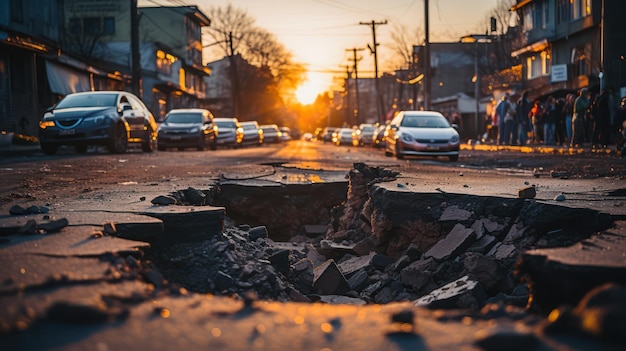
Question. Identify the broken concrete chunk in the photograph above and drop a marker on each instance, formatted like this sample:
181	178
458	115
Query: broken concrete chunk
502	251
328	280
359	280
365	246
419	273
54	226
356	263
454	213
453	244
30	227
482	268
280	261
259	232
109	228
461	293
483	245
515	233
527	193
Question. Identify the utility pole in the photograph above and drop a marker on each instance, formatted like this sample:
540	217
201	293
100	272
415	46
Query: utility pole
348	109
234	76
427	77
374	51
355	113
134	49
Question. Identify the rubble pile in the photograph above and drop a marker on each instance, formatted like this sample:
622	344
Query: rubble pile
384	245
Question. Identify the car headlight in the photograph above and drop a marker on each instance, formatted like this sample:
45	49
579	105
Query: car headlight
194	130
454	139
45	124
95	120
407	137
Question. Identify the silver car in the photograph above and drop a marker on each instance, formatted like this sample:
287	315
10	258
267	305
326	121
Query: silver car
421	133
191	127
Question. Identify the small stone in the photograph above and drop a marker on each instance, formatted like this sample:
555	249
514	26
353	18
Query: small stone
33	210
17	210
143	198
560	197
163	200
259	232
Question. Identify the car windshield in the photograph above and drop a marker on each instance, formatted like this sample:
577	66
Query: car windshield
369	129
427	121
248	126
269	130
87	100
184	118
225	124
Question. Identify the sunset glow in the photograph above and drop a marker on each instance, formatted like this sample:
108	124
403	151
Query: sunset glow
308	91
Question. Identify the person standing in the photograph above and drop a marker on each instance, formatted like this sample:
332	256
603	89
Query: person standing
510	130
549	122
581	106
601	120
560	122
568	111
500	112
523	110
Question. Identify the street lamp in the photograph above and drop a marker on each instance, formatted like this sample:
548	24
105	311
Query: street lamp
475	39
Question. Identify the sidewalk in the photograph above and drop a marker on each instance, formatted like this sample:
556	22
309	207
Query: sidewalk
542	149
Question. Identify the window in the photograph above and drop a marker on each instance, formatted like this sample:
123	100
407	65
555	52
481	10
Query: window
581	61
108	25
92	25
538	65
17	11
75	25
579	9
528	18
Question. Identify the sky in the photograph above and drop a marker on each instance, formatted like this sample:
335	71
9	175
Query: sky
322	33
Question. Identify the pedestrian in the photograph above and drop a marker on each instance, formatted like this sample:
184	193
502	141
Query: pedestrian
536	117
523	111
601	120
549	121
591	112
559	134
568	111
581	106
500	112
510	127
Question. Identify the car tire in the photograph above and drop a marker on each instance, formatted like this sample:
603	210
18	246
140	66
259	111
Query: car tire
149	145
49	149
118	143
201	143
81	149
398	153
213	146
453	158
161	148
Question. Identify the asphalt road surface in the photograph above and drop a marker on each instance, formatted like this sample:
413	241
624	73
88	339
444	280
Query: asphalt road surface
36	176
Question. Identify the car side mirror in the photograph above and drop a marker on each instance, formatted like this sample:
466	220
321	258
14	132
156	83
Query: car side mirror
125	106
455	126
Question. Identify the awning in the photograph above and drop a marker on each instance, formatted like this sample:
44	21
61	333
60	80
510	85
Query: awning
64	80
534	47
520	4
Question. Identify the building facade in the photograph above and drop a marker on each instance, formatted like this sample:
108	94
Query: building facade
572	44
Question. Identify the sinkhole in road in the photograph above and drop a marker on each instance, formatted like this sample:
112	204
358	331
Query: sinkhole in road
379	244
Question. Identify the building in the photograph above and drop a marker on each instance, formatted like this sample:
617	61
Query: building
572	44
170	47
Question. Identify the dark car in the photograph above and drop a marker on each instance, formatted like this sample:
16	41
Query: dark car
109	118
421	133
229	131
183	128
271	133
252	133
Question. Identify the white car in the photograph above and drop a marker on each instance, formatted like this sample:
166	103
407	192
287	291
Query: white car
421	133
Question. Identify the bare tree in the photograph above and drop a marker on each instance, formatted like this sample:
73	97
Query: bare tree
402	41
85	29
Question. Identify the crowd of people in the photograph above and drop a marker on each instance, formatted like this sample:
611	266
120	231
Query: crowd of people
589	119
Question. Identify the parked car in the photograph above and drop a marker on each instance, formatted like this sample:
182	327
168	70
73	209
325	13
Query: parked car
183	128
108	118
229	131
271	133
367	134
252	133
285	133
421	133
378	139
347	136
327	134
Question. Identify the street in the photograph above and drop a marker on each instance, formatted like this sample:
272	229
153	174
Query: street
162	276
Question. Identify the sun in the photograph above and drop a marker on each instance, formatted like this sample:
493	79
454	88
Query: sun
310	89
